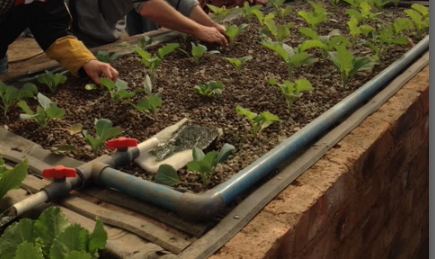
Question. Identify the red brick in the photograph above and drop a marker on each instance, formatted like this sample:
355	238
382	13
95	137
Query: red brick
323	247
347	219
374	223
351	247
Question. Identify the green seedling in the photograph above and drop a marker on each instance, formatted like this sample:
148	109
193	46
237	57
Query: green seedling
364	13
151	62
150	104
383	38
198	51
46	112
202	164
356	31
292	90
258	122
143	42
104	56
325	43
419	14
11	178
273	31
379	4
354	3
118	90
237	63
277	5
52	81
348	65
209	89
249	11
315	17
10	95
52	236
334	3
219	13
104	130
401	25
291	58
233	31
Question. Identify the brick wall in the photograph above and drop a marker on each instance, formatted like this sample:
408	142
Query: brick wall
368	197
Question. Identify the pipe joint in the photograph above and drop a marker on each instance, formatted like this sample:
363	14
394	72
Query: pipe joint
58	189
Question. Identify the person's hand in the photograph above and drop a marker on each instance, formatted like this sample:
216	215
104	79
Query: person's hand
94	69
212	35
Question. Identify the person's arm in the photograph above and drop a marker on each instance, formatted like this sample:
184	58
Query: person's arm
166	16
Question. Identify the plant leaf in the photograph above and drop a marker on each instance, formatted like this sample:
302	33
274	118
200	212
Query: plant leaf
11	179
167	175
14	235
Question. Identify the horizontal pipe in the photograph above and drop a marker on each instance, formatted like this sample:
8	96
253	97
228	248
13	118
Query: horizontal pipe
30	202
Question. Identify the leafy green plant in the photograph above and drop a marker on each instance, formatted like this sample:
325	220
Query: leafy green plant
237	63
202	164
348	65
291	58
118	90
104	130
356	31
11	178
334	3
151	62
46	112
277	32
233	31
315	17
104	56
51	236
419	14
248	11
379	4
52	81
292	90
144	42
325	43
363	13
353	3
198	51
209	89
10	95
258	122
150	104
382	39
218	13
402	24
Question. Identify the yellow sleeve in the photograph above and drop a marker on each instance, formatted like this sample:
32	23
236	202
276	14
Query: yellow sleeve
71	53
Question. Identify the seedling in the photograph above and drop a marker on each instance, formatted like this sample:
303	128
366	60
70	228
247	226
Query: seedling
144	42
326	43
218	13
209	89
118	90
104	56
198	51
11	178
356	31
364	13
382	39
248	11
233	31
276	32
317	16
202	164
258	122
51	80
46	112
237	63
10	95
347	65
403	24
291	58
292	90
52	236
419	14
103	131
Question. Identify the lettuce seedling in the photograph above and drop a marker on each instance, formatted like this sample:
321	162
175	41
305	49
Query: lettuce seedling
46	112
11	95
364	13
277	32
382	39
104	56
144	42
290	56
52	236
103	131
316	17
118	90
419	14
219	13
209	89
149	105
356	31
233	31
11	178
249	11
237	63
202	164
292	90
51	80
347	65
258	122
198	51
326	43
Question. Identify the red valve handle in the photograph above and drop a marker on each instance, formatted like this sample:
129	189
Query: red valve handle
121	143
59	171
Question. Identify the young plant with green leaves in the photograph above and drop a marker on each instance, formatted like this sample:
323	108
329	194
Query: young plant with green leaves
118	90
210	89
143	42
52	236
104	131
198	51
248	11
203	164
237	63
292	90
11	178
379	4
273	31
234	31
291	57
325	43
258	122
348	65
10	95
51	80
46	112
150	104
382	39
105	56
356	31
315	17
152	62
419	14
334	3
402	26
219	13
363	13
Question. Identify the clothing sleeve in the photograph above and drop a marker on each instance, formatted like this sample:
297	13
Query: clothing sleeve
70	53
185	7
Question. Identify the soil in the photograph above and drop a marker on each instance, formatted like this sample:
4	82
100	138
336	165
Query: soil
176	78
